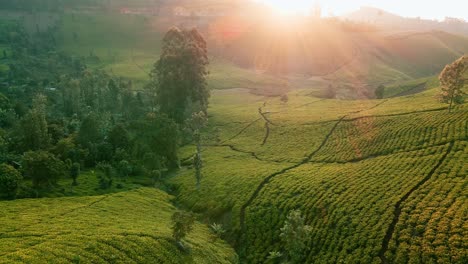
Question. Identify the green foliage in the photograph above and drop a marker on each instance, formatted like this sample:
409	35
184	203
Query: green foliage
380	92
180	73
195	124
158	135
90	131
34	127
182	224
129	226
295	236
124	168
10	181
452	82
218	230
274	257
43	168
75	172
105	175
119	137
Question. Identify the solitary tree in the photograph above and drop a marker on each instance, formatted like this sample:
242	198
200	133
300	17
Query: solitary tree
379	92
182	224
195	124
180	73
10	180
295	235
330	92
452	82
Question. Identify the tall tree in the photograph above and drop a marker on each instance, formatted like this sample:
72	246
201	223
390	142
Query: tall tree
179	76
34	127
452	81
195	124
295	235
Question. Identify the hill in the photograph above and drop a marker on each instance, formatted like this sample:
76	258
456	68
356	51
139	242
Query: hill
127	227
376	179
355	63
389	21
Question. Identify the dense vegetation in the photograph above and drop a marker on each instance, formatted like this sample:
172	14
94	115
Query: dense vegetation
97	109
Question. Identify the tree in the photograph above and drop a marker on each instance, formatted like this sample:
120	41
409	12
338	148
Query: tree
452	82
158	135
35	135
89	131
182	224
71	96
10	180
43	168
330	92
195	124
119	137
75	172
380	91
180	73
295	235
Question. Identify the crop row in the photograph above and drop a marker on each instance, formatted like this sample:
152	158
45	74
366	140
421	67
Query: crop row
349	206
228	179
433	226
373	136
88	230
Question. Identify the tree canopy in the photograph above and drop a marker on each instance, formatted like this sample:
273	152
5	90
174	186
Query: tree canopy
179	76
452	81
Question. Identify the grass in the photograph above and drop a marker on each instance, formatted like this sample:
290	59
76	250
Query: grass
88	230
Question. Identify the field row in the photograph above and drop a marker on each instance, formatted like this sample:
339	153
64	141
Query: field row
88	230
433	226
374	136
349	206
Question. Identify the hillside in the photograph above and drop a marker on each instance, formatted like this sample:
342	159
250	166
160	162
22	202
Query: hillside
89	230
292	124
389	21
375	178
355	63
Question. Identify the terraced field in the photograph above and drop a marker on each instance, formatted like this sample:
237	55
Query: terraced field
366	174
126	227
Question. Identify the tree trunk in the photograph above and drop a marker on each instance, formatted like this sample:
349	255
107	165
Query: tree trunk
198	164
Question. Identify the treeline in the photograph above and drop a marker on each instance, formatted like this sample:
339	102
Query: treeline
59	117
48	5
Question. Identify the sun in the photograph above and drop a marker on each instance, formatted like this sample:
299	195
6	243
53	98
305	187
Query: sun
289	7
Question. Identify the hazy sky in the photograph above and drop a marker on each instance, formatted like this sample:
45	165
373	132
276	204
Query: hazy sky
431	9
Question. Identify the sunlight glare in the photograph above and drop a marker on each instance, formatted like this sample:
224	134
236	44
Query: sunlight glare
291	7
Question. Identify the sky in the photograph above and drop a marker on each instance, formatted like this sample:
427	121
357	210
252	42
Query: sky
428	9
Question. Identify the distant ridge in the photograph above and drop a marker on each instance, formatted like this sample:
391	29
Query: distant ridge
390	21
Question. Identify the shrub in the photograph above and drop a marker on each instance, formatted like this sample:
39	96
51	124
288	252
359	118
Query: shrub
182	223
10	180
43	168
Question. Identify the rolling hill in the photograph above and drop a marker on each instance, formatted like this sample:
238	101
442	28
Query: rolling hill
378	180
126	227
